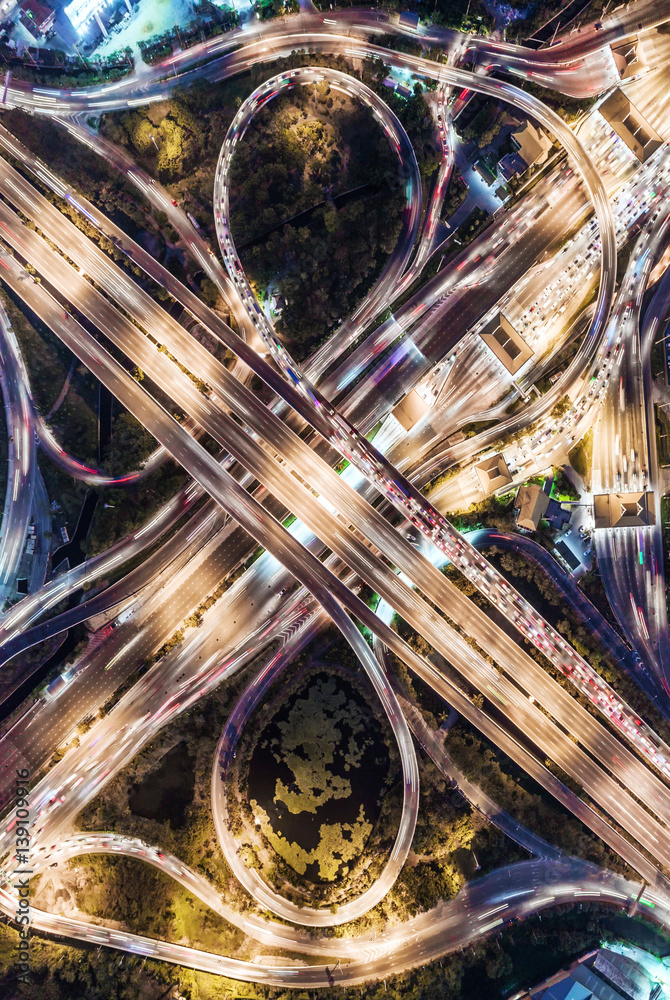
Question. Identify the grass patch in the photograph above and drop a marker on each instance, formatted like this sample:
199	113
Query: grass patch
562	489
581	458
147	901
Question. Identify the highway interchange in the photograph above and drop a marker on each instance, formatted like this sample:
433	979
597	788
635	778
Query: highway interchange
618	760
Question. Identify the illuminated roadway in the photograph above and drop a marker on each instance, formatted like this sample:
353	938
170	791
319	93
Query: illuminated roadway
264	423
487	904
22	458
601	787
548	649
207	472
352	444
627	556
387	285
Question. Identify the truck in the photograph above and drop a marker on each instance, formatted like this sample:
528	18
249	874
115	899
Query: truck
55	686
409	20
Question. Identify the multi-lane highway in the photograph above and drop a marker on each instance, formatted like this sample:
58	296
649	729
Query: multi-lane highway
632	574
403	555
22	459
613	755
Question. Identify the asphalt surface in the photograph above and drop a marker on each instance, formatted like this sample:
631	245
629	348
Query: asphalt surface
436	587
330	592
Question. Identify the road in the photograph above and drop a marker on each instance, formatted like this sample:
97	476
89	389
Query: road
256	455
193	355
447	598
22	458
621	463
353	445
579	65
600	785
653	318
573	595
432	742
486	905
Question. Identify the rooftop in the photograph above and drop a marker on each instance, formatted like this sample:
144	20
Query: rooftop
532	503
627	59
623	510
410	410
533	144
493	473
600	975
628	123
507	345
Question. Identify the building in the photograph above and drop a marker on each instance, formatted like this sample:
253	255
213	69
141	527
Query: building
410	410
510	166
38	14
640	137
532	143
567	555
408	19
623	510
493	473
507	345
600	975
532	503
627	58
486	175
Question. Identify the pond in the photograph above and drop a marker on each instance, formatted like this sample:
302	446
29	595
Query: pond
316	777
164	793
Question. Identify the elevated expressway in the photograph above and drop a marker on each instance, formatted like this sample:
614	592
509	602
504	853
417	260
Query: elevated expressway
350	443
22	458
10	191
579	65
487	904
570	757
190	353
207	472
654	318
383	475
289	493
622	458
426	458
